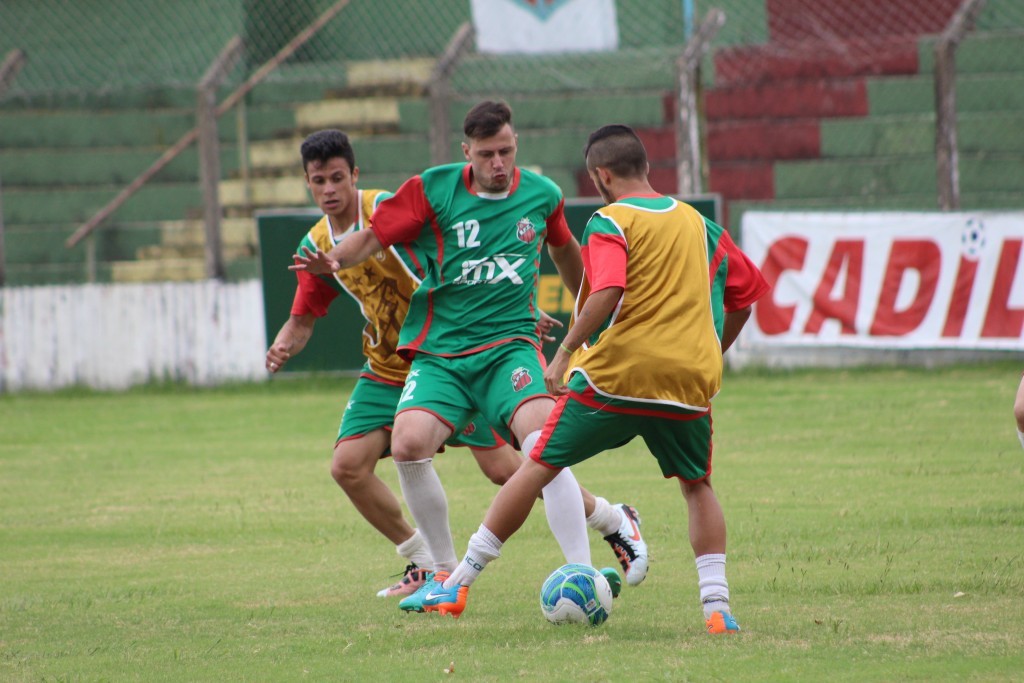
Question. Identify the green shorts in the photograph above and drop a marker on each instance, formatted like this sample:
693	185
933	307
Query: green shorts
584	424
494	383
372	406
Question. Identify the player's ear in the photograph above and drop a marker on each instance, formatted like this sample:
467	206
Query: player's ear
465	151
355	174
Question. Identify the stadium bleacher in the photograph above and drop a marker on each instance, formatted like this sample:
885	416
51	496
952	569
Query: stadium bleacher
836	124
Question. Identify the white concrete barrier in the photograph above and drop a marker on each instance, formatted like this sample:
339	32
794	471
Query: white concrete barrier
114	336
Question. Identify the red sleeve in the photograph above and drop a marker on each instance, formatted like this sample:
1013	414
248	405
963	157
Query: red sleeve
312	295
604	259
744	283
558	230
401	217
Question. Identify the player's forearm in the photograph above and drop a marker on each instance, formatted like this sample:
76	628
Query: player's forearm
732	325
355	249
294	334
596	310
569	264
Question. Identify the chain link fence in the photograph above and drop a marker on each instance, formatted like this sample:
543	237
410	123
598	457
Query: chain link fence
773	40
88	49
810	81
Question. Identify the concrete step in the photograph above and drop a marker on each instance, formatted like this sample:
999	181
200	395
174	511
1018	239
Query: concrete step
763	139
164	252
981	53
914	135
974	93
375	154
389	73
81	167
192	233
742	179
156	201
871	56
164	270
367	114
799	20
797	99
69	128
831	178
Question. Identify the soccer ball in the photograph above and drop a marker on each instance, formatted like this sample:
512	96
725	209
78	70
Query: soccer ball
576	594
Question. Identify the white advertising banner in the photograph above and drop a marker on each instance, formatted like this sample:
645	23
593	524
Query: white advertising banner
888	280
539	26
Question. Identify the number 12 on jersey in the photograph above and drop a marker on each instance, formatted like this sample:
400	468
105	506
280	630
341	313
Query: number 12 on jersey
468	233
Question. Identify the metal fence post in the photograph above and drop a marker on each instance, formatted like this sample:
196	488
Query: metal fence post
688	161
209	153
440	93
947	156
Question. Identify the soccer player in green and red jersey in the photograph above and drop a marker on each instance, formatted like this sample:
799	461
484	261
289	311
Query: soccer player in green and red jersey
475	231
382	287
640	358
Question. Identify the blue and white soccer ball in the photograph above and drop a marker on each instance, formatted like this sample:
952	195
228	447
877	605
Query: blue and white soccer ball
972	239
576	594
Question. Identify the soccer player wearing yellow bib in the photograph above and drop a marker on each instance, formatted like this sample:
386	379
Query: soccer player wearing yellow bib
641	358
476	231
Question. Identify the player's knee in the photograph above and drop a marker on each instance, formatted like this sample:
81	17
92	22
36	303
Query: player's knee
405	448
499	476
348	473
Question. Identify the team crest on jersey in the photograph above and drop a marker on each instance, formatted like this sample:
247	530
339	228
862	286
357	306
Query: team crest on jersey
525	230
521	379
380	255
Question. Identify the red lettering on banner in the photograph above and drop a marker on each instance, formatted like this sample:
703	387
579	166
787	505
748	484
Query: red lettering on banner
788	253
848	254
1000	319
962	290
925	257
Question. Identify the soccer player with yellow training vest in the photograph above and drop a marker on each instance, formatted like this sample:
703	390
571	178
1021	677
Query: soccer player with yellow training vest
642	357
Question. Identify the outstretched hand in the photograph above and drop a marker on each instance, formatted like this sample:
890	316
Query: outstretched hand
545	325
314	262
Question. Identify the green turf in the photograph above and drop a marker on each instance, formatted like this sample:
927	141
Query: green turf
170	534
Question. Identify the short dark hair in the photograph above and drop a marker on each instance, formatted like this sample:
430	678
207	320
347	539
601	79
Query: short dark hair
617	148
486	119
327	144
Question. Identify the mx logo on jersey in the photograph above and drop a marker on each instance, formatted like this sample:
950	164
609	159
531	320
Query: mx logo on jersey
541	8
491	270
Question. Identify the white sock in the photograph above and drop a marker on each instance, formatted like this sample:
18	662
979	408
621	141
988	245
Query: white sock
423	493
606	518
1020	435
415	550
483	547
563	505
714	589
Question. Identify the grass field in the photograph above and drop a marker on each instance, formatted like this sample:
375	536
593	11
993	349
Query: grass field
876	522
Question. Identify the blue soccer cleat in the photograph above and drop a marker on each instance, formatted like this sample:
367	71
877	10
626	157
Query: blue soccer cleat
437	598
